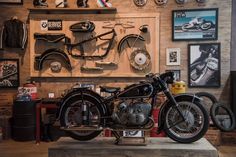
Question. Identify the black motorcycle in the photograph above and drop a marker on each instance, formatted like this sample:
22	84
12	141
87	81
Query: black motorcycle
84	114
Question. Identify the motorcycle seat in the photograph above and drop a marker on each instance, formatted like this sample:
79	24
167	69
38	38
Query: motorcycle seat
109	89
51	38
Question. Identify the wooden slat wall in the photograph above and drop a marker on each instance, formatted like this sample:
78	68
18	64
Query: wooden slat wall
127	6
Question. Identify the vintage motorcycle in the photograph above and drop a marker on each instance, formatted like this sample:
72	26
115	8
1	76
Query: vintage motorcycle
198	24
84	114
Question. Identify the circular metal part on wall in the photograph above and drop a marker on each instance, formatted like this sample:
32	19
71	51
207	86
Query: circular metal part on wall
140	59
56	67
140	3
201	1
181	1
161	2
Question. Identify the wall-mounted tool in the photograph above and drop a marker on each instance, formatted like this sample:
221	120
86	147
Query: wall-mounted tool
61	3
111	25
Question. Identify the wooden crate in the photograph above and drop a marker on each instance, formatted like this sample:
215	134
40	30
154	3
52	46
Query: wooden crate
228	137
6	98
213	135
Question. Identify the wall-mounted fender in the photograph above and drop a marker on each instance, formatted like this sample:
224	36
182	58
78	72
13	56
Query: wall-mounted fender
126	38
39	60
166	105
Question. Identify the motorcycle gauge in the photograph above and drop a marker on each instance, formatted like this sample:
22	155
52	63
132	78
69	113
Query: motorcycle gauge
161	2
140	3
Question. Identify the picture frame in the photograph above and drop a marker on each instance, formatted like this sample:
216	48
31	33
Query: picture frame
195	24
133	133
9	73
177	74
173	56
204	65
20	2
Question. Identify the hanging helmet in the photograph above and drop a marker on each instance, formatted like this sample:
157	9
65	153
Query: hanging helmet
201	1
161	2
82	3
181	1
40	3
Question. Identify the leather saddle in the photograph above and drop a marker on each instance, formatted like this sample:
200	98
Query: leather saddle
51	38
109	89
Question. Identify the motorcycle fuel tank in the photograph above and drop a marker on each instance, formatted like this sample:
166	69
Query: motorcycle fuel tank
141	90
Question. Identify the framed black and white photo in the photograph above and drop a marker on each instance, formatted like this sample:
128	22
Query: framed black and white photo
11	1
195	24
133	133
9	73
177	74
204	65
173	56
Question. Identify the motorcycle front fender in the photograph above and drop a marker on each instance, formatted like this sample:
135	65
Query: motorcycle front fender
167	104
78	92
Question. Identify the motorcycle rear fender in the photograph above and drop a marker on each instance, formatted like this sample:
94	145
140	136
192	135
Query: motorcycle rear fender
77	92
167	103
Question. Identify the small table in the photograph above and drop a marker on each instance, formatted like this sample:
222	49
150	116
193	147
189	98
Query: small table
48	103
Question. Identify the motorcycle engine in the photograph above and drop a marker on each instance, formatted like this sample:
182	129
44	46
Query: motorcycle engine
132	114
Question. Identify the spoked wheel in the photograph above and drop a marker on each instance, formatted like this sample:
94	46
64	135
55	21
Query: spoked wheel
72	117
222	117
193	128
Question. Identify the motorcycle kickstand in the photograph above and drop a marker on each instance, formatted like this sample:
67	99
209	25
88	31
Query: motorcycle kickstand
117	136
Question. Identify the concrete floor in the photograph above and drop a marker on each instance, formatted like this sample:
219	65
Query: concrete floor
30	149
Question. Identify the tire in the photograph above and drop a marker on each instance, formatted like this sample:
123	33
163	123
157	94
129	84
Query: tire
81	135
180	132
184	27
220	122
208	103
208	24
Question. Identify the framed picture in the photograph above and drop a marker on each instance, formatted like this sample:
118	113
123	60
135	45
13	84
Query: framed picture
197	24
177	74
204	65
173	56
133	133
9	73
11	1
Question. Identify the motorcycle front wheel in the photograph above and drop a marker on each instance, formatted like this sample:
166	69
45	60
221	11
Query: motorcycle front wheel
192	128
71	115
206	26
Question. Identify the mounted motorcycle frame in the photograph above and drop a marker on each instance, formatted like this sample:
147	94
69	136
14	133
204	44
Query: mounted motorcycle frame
80	45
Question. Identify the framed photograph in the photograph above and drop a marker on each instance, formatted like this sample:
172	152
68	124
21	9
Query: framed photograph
177	74
133	133
204	65
11	1
173	56
197	24
9	73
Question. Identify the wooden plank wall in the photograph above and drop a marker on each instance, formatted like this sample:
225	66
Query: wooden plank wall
127	6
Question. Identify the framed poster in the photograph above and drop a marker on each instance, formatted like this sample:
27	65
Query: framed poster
11	1
9	73
204	65
173	56
197	24
177	74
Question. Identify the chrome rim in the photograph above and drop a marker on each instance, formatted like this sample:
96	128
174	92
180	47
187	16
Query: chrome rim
73	116
193	124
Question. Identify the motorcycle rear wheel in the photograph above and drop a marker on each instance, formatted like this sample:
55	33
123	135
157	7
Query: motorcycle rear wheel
64	120
193	128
